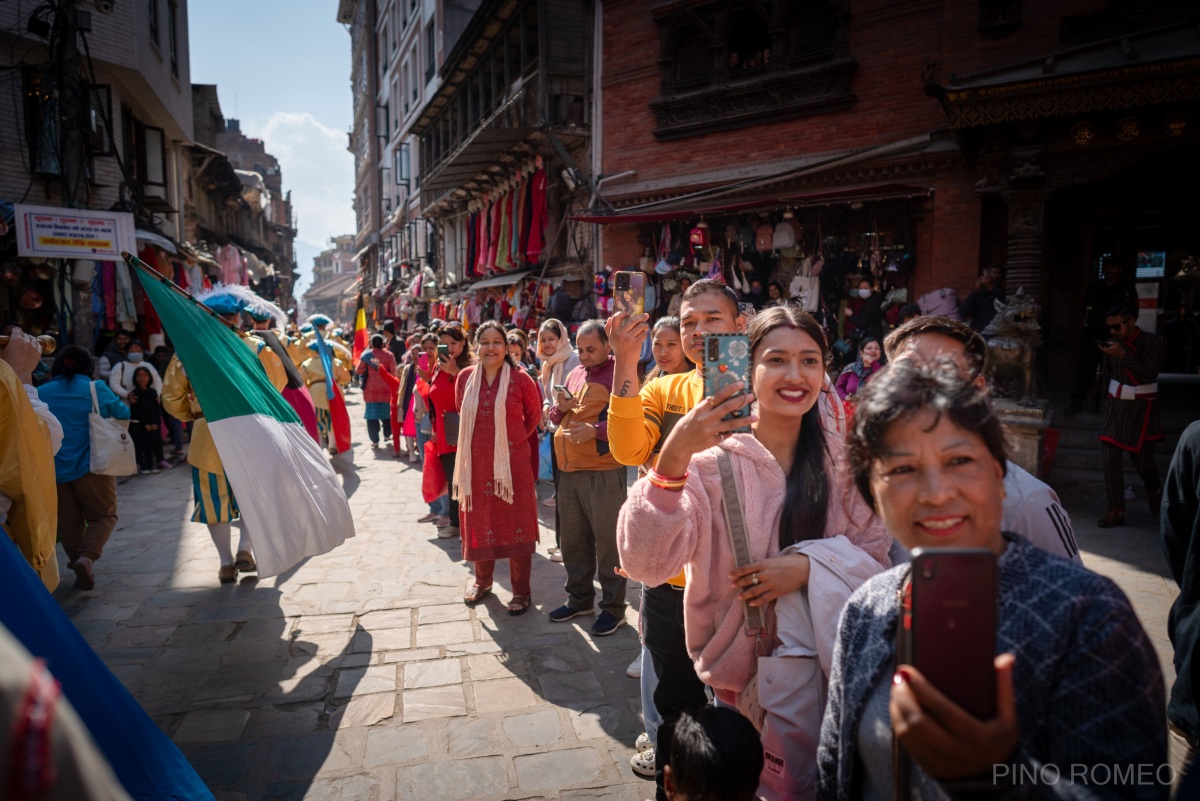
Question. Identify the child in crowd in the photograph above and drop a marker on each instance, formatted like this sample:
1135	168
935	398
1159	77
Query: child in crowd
715	756
145	420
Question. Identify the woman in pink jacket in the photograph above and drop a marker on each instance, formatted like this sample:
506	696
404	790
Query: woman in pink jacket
794	490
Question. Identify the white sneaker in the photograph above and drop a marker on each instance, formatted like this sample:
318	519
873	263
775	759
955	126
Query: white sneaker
448	533
634	671
643	763
556	557
643	742
414	457
442	522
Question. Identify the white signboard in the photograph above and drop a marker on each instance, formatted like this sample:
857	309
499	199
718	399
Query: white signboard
51	233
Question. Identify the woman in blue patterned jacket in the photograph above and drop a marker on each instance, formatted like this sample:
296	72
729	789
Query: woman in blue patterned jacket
1079	693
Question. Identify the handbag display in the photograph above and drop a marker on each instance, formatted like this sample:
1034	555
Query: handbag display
112	448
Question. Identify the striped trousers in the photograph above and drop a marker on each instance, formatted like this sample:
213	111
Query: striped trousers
1114	472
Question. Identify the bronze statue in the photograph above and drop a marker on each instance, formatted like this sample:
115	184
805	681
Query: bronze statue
1013	338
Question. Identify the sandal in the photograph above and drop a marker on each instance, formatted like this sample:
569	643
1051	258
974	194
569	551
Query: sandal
519	605
476	595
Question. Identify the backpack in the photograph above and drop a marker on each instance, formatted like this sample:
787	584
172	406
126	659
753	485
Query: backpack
784	236
762	238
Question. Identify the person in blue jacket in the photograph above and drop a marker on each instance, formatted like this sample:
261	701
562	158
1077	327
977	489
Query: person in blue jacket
87	502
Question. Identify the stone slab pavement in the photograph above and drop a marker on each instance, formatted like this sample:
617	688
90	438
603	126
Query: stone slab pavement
360	675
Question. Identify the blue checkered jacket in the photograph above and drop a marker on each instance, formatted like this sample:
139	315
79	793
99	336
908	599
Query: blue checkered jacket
1089	687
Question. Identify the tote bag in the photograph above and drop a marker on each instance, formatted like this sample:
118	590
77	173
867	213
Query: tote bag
112	449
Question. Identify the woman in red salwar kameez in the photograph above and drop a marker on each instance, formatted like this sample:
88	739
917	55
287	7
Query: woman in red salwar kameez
492	480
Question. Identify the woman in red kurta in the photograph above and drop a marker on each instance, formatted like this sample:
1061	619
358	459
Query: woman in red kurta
440	399
493	482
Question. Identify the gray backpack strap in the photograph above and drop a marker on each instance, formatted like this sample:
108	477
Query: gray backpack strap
736	523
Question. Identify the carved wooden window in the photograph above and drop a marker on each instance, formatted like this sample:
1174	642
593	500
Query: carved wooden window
693	62
732	64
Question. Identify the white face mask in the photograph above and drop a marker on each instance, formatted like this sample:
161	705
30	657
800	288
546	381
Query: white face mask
135	357
864	293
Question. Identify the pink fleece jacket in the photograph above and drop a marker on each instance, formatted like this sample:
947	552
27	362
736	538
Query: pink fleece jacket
660	533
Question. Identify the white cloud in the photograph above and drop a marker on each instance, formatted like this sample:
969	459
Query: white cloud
319	172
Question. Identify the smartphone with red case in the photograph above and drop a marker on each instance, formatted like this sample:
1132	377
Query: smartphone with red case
951	625
629	292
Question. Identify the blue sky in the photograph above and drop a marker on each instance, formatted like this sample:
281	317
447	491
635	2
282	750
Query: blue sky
283	68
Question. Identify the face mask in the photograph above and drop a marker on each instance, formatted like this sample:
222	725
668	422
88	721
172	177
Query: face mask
864	293
135	357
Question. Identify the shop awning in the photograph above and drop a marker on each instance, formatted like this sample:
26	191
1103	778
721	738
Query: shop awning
159	241
825	197
504	279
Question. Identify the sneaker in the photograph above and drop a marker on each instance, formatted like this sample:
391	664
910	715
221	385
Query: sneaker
564	613
643	742
165	465
448	533
443	521
606	624
550	502
154	470
142	472
414	457
643	763
552	550
429	518
634	671
556	556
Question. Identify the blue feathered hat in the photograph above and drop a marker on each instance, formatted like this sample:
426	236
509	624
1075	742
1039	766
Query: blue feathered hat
319	320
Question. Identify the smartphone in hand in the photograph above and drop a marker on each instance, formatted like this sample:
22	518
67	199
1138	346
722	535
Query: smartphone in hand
443	353
726	361
563	389
629	292
949	628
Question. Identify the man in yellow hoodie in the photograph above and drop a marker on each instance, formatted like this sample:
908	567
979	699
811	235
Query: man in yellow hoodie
638	425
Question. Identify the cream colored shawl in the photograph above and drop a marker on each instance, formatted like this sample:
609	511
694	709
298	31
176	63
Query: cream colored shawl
502	485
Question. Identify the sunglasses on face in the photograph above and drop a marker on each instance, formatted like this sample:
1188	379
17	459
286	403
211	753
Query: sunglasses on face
1119	326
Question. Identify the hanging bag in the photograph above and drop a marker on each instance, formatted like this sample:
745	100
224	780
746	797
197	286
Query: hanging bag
112	449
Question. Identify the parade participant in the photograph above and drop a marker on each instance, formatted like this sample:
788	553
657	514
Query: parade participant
376	391
1078	684
297	344
87	501
30	436
638	424
1130	423
803	526
591	485
313	374
263	313
1031	508
120	378
215	504
444	416
499	408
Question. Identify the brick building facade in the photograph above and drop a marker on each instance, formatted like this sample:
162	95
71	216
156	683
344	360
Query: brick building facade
942	137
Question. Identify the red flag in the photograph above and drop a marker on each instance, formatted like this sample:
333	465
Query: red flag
340	419
360	330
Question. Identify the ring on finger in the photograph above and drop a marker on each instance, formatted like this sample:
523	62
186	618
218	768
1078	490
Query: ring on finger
754	579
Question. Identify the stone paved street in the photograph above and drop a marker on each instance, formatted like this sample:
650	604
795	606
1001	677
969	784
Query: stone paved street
361	676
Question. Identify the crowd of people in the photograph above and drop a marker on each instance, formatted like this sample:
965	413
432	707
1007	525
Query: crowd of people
774	563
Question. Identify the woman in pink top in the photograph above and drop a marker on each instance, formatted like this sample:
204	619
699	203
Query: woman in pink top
794	489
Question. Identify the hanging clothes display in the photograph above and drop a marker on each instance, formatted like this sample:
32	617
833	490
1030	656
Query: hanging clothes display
537	222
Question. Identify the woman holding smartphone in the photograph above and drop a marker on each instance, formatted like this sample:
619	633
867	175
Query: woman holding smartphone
804	529
500	408
1077	682
453	355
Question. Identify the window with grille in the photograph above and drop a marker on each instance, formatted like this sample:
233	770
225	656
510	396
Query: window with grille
693	62
813	34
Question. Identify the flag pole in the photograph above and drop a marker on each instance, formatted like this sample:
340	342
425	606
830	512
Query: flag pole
134	261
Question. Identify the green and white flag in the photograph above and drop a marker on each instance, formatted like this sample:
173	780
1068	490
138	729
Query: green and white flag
291	499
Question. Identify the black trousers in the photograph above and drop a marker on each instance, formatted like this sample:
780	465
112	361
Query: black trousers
679	689
373	430
1114	473
447	460
147	445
